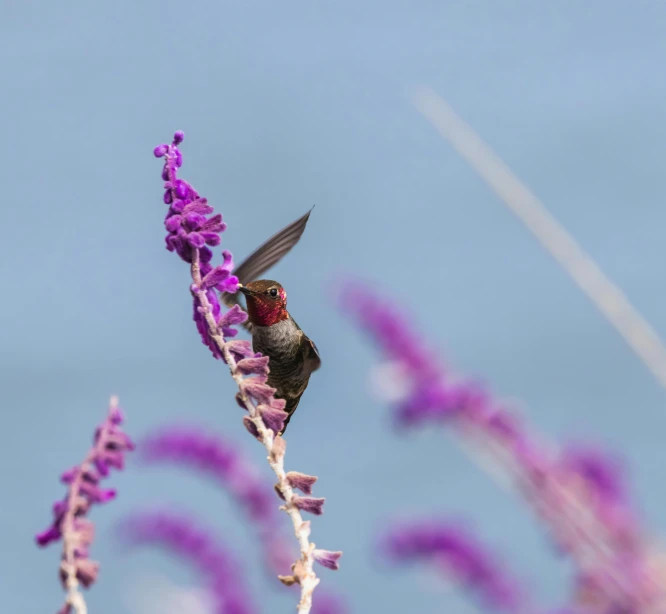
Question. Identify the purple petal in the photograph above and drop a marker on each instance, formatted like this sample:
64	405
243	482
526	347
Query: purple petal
258	391
182	189
235	315
301	481
273	418
313	505
178	206
195	239
195	220
240	347
46	537
68	476
102	466
214	224
87	572
251	427
173	223
228	259
258	366
214	278
327	559
205	255
205	268
200	205
211	238
229	285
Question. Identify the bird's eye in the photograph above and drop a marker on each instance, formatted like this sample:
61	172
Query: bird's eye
273	292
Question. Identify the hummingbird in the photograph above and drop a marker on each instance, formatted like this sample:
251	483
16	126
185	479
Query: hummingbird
293	356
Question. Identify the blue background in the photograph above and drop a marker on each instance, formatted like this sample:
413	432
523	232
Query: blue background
291	104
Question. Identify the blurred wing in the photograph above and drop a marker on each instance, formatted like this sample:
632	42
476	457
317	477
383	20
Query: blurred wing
271	252
265	256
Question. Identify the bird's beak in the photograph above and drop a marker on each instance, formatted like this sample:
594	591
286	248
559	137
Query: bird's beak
244	290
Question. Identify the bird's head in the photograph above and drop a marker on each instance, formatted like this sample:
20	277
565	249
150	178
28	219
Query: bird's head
266	302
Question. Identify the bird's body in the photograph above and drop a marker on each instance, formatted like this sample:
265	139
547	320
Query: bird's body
293	356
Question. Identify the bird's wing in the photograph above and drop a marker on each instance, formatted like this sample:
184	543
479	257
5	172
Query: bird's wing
264	257
312	358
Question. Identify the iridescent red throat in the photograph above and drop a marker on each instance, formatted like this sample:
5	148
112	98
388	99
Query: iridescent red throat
265	312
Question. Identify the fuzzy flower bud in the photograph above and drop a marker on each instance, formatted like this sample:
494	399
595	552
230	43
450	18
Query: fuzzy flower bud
301	481
313	505
327	558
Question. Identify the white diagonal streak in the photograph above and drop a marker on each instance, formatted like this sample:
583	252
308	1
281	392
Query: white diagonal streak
608	298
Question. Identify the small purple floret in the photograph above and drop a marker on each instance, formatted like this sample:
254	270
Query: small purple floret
328	559
301	481
579	494
313	505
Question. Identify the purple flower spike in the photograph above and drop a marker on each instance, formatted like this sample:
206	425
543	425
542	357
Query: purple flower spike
192	228
69	522
578	494
214	564
461	556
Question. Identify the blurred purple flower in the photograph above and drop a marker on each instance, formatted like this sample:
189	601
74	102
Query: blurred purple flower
461	556
219	460
110	444
328	603
215	566
602	474
578	495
